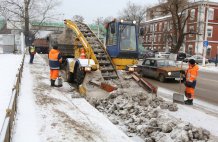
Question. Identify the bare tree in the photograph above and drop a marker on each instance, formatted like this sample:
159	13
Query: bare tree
99	20
24	11
78	18
179	11
133	12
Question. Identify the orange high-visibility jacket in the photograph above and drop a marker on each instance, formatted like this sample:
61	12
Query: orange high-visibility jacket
54	59
192	73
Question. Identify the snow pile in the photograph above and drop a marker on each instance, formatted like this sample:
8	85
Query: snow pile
209	69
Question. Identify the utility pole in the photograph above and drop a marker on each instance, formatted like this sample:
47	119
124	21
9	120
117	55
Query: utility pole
216	56
98	23
152	39
98	27
205	36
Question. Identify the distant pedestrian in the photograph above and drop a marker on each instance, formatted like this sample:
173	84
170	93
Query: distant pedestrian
54	62
190	81
32	52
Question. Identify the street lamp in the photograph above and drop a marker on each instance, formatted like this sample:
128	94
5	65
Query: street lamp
205	37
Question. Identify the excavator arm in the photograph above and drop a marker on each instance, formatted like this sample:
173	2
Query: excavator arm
94	49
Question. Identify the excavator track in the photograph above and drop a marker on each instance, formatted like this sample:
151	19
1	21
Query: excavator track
105	64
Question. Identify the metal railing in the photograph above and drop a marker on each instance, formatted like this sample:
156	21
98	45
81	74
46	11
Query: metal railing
6	130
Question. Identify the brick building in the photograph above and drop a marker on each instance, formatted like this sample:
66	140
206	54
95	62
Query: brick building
158	27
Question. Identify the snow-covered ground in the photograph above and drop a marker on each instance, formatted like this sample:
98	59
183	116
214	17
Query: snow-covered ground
209	68
9	64
47	114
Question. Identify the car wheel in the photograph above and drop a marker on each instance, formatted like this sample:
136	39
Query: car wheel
161	78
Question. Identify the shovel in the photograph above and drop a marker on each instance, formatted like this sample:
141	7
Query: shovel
179	97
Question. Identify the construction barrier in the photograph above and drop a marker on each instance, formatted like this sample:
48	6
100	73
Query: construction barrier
6	130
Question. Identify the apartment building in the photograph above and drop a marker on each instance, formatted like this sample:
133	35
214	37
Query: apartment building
158	28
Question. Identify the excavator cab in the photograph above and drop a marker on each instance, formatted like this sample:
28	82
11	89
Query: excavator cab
122	43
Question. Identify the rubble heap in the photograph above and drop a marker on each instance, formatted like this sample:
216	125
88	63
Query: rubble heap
139	114
67	37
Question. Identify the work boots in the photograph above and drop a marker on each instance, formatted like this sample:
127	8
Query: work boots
53	83
189	102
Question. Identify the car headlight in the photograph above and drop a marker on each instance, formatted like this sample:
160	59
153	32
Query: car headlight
88	69
169	73
131	69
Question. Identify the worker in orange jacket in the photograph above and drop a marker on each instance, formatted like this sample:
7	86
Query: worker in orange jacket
54	62
190	81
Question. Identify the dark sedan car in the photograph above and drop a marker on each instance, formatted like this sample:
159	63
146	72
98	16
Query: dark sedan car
161	69
212	60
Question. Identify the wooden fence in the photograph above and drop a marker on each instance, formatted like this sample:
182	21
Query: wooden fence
6	130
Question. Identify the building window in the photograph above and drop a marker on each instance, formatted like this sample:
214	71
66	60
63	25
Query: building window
211	14
147	28
191	30
155	27
151	28
160	26
155	38
190	49
150	38
165	26
171	25
208	51
159	38
192	14
209	31
146	39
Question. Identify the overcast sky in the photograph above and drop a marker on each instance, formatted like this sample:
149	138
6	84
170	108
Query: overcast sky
91	9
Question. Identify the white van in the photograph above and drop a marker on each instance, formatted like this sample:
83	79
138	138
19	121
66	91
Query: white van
162	55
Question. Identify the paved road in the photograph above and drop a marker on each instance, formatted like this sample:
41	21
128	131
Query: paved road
206	89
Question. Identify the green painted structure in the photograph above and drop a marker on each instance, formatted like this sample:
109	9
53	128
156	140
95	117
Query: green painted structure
48	24
2	23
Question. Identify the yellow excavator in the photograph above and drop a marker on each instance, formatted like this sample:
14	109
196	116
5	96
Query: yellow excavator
120	52
95	53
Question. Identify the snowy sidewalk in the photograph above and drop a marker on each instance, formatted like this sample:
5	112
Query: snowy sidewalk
51	114
9	68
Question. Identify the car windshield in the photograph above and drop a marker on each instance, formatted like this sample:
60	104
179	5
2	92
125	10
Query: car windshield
164	63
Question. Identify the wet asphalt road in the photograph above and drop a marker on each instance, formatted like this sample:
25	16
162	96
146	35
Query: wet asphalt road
206	89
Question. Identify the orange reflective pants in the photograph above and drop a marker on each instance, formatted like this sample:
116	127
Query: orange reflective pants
54	74
189	92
